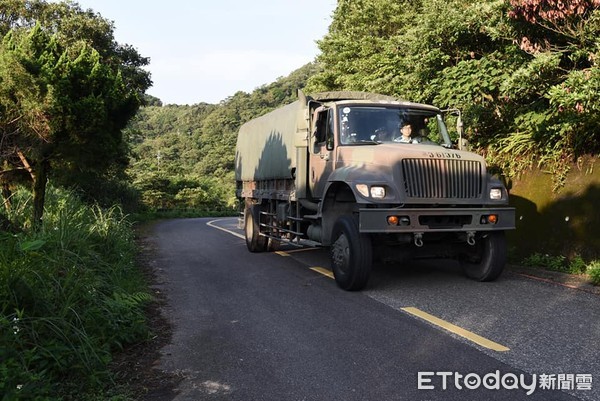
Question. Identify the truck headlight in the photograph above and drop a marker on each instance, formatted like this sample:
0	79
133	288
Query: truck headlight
377	192
496	194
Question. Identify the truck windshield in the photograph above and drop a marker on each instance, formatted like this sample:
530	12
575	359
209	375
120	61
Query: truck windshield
360	125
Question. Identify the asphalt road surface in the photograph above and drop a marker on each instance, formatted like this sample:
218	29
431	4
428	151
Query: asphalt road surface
274	326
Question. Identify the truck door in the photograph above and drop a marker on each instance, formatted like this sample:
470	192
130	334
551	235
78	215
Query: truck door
321	155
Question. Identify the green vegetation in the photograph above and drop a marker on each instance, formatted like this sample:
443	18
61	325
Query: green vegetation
575	265
70	294
525	73
594	272
183	156
67	89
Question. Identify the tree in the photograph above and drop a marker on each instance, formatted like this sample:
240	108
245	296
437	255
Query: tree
183	156
524	72
361	50
67	89
565	33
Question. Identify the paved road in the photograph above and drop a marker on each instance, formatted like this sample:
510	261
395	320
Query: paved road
268	327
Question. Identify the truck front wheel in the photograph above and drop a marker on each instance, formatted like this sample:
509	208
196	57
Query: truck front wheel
487	259
254	241
351	255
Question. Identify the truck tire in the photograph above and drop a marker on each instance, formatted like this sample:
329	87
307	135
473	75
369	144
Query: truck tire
254	241
488	258
351	255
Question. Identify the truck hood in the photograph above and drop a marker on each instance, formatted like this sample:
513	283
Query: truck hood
387	155
413	171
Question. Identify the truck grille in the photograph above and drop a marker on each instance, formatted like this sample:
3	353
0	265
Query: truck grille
442	178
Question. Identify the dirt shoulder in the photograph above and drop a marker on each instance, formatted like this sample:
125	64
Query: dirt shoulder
136	367
577	282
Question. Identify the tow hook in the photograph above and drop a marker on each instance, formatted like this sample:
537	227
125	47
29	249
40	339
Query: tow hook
471	238
419	239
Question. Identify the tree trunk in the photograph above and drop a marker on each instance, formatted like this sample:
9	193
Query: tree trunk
39	192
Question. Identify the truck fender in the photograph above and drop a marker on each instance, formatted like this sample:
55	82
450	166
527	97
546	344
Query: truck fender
339	200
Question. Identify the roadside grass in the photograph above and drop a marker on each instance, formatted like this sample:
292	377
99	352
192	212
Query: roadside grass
574	265
70	295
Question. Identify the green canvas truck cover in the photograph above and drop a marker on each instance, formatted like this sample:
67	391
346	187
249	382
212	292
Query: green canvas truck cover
265	146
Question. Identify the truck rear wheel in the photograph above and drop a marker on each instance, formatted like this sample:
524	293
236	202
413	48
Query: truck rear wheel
488	258
351	255
254	241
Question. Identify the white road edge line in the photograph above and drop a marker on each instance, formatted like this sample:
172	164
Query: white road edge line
211	224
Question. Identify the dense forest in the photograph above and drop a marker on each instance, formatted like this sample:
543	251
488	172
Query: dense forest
183	156
524	73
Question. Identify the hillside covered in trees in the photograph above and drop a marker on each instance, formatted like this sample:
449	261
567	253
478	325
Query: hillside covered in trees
183	156
524	73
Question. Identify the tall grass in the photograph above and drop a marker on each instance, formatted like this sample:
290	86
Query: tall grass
69	295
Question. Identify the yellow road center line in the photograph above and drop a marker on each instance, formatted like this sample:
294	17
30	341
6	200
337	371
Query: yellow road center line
282	253
301	250
477	339
322	271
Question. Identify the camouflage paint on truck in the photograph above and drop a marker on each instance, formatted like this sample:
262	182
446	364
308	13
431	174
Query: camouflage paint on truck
367	175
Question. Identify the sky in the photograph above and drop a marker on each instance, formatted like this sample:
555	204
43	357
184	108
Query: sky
207	50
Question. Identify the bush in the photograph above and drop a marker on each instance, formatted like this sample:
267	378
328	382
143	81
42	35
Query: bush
594	272
575	265
554	263
70	294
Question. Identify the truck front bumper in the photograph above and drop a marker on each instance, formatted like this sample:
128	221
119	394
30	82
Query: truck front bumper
436	220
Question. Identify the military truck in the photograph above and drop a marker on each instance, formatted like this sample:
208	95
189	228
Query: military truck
335	170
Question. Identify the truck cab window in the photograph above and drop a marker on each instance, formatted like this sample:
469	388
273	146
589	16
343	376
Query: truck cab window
376	124
330	130
321	126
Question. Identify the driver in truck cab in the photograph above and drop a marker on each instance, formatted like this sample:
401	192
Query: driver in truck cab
387	134
406	132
